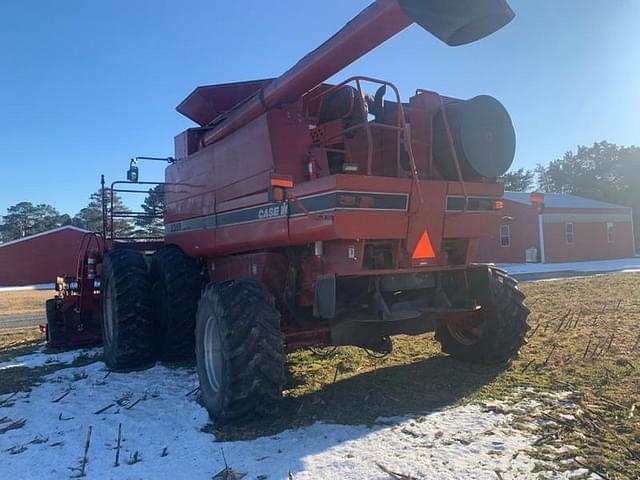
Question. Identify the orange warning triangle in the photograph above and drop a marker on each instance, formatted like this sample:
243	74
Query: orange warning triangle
423	249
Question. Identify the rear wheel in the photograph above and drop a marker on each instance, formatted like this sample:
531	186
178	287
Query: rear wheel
496	334
239	350
54	333
176	288
126	311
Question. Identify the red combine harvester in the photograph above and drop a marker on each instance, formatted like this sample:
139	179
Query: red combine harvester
300	213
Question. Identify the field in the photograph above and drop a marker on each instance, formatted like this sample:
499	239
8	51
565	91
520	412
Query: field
22	308
18	309
578	375
23	301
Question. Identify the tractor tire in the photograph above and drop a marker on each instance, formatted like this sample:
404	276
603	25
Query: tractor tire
126	311
505	325
239	351
54	335
176	283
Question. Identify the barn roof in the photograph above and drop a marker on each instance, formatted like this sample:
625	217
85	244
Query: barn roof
561	200
41	234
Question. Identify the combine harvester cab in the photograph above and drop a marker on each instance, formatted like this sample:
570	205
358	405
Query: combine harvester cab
300	213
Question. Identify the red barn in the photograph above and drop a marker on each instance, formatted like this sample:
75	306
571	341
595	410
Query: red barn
41	257
568	229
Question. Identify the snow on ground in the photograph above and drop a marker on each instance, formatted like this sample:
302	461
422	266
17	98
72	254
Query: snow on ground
615	265
41	359
38	286
162	422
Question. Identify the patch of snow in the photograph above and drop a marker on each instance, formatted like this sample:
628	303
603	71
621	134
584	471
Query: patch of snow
163	424
615	265
42	359
38	286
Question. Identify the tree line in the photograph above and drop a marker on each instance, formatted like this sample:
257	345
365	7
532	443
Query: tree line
25	218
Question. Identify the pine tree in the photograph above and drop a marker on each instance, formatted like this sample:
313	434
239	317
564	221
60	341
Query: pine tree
25	218
90	217
152	224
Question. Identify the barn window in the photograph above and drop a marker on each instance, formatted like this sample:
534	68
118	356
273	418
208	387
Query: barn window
568	232
610	232
505	236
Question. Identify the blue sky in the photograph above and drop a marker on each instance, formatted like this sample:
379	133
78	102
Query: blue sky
87	84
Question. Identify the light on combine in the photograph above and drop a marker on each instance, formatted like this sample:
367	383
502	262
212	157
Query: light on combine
498	204
278	187
277	194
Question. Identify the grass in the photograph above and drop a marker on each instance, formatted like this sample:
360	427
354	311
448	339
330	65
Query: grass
19	341
22	340
24	301
584	339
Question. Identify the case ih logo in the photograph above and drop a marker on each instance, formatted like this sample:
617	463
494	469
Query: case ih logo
275	211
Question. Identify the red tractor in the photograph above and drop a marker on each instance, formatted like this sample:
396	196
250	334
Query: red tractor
73	315
300	213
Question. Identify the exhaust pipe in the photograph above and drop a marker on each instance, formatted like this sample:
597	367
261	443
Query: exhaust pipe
455	22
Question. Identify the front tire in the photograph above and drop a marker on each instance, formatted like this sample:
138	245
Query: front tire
55	337
126	311
499	332
239	350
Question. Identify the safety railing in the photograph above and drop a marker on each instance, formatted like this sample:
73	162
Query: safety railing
401	128
452	147
109	214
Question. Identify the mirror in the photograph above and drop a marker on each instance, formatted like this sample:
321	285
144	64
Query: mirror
132	173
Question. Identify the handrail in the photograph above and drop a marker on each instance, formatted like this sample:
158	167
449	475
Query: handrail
454	153
117	214
452	147
83	249
401	126
367	127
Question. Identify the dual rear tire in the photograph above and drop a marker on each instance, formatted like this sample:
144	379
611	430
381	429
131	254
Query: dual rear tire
150	313
176	286
127	323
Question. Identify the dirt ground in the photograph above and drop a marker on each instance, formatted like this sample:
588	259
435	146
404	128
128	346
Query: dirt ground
584	343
